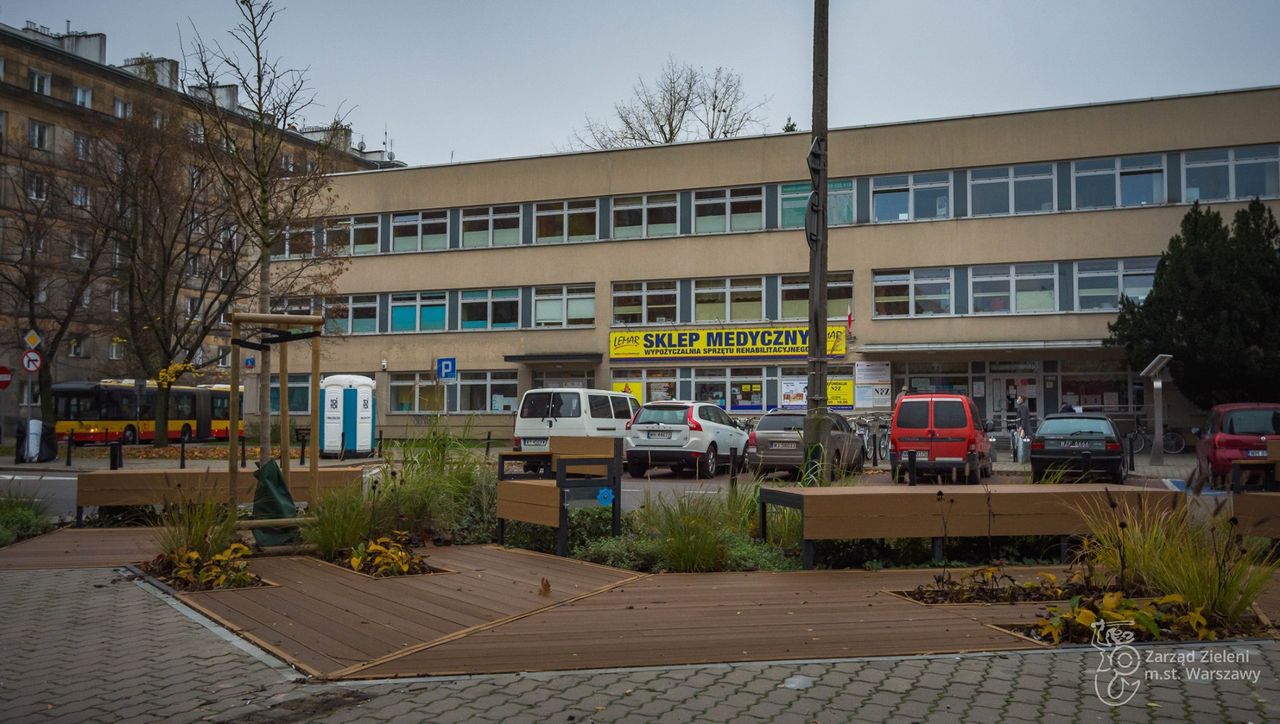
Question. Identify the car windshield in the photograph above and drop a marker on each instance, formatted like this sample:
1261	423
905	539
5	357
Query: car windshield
913	414
1075	426
666	414
781	422
542	405
1252	422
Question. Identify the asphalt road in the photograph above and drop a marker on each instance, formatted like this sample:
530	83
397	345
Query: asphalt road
57	489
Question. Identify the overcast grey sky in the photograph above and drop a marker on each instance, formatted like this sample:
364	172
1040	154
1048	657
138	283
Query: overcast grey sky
487	79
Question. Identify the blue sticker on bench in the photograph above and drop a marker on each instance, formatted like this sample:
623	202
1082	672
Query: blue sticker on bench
605	496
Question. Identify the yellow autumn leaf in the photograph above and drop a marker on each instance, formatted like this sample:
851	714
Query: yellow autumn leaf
1110	601
1171	598
1085	617
1048	578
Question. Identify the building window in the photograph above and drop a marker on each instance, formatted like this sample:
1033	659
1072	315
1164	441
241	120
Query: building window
737	389
645	216
193	307
1128	181
39	135
644	303
490	226
487	391
420	231
1231	173
491	309
573	305
728	300
115	300
115	350
82	146
299	394
418	312
84	97
353	235
646	385
720	210
37	187
795	295
78	247
911	196
224	356
356	314
559	221
795	203
76	348
296	242
1100	283
912	292
80	196
38	82
1016	289
581	379
415	392
1028	189
121	108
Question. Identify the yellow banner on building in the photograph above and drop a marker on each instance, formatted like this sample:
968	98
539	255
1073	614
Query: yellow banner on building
839	393
717	343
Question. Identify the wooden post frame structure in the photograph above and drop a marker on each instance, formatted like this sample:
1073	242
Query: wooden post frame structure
280	324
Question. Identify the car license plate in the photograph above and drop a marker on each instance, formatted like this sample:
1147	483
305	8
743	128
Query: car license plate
1256	453
533	442
783	446
921	455
660	435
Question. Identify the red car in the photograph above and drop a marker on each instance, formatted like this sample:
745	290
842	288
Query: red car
1235	432
947	434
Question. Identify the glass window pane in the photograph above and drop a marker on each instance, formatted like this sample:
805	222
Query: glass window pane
746	305
1257	179
1142	189
991	296
364	320
1100	292
1138	286
435	235
628	223
475	315
1033	169
1032	195
1141	162
990	198
937	177
839	209
1097	164
979	174
582	311
402	318
708	218
892	299
1208	183
793	210
1094	192
550	228
708	306
747	215
366	240
431	318
547	313
506	314
795	303
1035	295
582	226
662	309
933	298
475	233
881	182
890	206
404	237
1217	154
1251	152
662	221
506	231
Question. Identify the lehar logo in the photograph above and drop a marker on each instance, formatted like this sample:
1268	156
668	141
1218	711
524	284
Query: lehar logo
1115	681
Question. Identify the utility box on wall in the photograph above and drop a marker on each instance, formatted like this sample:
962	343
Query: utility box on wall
348	411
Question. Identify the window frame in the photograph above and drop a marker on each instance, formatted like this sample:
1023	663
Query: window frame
729	196
566	211
912	282
402	220
121	108
509	377
835	280
418	302
39	82
646	205
490	217
1011	179
349	306
489	301
1011	277
39	135
645	293
911	186
1230	163
1118	172
803	198
1119	274
416	384
726	288
566	294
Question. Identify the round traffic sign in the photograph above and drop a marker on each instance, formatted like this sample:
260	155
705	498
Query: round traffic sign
6	376
31	361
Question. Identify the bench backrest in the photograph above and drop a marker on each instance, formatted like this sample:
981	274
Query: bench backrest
602	446
162	487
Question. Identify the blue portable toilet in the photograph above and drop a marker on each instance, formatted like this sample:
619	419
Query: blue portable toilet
348	415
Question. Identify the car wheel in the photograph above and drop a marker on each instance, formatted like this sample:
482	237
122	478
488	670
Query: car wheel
636	468
130	435
1037	474
975	472
834	470
710	462
1117	474
860	461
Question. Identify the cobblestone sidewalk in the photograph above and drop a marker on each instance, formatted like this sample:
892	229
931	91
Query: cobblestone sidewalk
91	646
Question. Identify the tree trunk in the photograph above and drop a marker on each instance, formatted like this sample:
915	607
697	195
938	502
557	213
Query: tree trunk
44	378
162	418
264	369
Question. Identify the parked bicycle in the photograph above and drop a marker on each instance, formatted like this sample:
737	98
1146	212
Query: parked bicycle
868	426
1173	441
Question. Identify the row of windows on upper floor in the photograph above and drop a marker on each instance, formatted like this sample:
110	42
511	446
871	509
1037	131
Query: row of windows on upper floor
988	289
1130	181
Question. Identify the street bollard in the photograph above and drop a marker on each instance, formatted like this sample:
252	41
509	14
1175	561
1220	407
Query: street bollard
71	442
379	443
875	449
911	467
17	446
733	468
488	438
302	451
116	455
182	453
1133	465
242	444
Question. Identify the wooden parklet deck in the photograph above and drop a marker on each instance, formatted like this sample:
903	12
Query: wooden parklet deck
81	548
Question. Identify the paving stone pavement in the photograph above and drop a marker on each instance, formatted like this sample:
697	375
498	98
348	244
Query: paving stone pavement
90	645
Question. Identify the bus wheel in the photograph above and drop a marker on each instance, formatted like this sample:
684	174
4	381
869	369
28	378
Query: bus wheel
185	435
129	436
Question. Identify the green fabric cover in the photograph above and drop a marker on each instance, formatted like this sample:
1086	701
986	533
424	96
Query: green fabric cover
271	499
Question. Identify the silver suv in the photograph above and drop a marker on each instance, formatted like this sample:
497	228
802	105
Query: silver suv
682	434
775	444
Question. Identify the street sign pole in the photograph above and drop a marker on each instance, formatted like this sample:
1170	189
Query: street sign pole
816	427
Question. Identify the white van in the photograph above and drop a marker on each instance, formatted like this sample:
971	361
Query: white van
570	412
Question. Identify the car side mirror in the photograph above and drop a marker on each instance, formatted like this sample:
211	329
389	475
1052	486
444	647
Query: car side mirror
1195	431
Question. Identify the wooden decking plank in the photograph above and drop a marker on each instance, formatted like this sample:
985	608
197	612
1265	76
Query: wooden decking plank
81	548
369	637
301	643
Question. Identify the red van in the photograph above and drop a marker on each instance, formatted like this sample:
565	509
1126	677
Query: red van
946	432
1234	432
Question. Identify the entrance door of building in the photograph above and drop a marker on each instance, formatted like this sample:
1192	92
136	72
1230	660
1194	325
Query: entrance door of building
1002	395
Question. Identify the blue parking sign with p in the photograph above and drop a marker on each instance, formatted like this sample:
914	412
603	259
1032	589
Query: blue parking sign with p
447	368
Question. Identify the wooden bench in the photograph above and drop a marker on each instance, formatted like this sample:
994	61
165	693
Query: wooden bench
944	511
532	497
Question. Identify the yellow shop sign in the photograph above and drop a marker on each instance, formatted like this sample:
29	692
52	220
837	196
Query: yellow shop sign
714	343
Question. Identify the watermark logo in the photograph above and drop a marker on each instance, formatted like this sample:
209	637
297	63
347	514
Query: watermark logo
1116	680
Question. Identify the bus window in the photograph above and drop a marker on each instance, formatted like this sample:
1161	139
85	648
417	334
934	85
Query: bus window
221	406
182	406
120	405
76	406
147	409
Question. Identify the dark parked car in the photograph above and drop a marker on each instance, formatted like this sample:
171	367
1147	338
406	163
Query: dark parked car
775	444
1237	431
1078	443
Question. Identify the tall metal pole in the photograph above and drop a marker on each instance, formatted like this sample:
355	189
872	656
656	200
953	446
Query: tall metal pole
817	427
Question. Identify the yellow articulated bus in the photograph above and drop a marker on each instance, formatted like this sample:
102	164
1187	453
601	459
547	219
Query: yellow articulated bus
110	410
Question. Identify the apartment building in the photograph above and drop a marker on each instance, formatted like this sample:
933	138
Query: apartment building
983	254
56	90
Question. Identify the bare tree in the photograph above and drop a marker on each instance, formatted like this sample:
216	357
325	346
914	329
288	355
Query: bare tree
54	265
683	103
181	265
251	156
